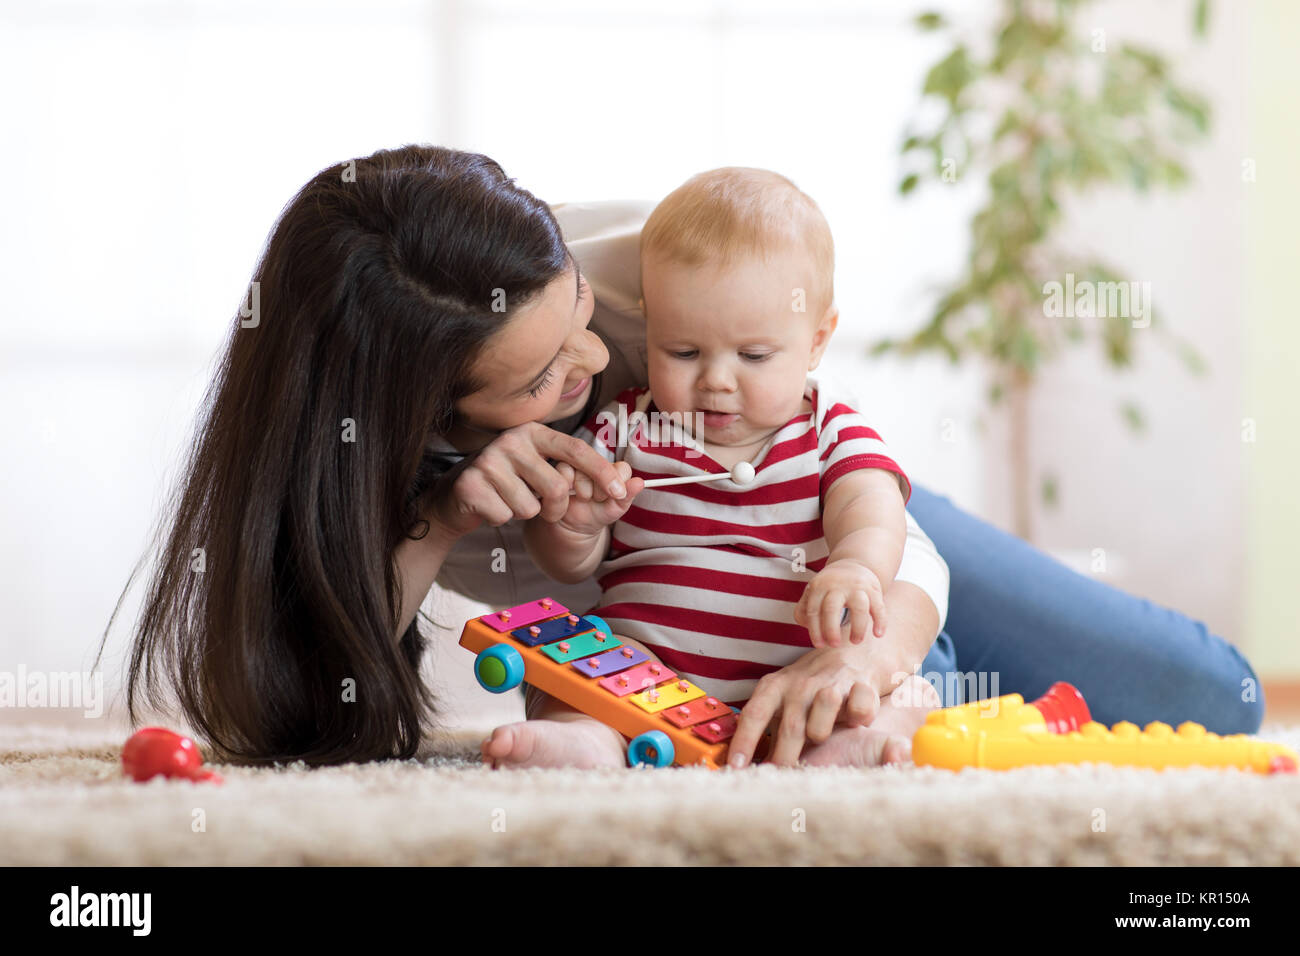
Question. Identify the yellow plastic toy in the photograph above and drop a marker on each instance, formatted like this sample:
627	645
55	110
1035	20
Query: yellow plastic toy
1057	728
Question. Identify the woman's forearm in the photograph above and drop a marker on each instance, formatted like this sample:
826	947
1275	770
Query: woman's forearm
913	626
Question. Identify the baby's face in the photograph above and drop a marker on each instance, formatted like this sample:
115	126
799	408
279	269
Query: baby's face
728	342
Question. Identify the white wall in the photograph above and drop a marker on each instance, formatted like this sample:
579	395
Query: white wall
150	145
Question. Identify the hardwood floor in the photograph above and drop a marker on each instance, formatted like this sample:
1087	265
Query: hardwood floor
1282	699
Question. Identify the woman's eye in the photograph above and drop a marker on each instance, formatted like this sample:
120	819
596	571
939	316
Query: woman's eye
537	389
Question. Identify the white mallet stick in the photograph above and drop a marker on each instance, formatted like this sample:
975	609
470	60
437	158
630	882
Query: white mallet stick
742	473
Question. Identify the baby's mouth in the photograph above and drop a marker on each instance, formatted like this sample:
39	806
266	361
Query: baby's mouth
717	419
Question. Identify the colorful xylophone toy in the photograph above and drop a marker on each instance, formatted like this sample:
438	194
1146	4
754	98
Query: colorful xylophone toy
578	660
1058	728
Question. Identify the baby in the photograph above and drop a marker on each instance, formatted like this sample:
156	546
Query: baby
726	582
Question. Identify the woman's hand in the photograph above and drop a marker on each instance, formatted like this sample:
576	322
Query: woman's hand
506	479
824	687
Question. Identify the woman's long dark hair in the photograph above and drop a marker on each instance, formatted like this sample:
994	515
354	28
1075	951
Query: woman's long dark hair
273	609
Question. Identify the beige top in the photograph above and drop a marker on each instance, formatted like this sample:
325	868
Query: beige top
491	565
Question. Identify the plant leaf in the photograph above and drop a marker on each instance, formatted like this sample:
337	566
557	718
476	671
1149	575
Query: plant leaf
948	77
1191	105
1192	359
1050	491
1133	417
1201	17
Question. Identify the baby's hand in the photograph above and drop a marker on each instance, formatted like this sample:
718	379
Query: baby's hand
838	585
592	510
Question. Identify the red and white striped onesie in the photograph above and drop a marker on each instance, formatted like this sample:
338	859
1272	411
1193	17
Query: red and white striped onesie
707	575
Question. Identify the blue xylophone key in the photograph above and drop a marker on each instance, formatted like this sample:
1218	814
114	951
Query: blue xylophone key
556	629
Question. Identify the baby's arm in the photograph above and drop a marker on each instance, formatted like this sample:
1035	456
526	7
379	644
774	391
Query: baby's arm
566	556
865	527
571	549
864	521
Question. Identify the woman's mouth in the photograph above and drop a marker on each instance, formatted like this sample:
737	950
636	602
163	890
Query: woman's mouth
576	391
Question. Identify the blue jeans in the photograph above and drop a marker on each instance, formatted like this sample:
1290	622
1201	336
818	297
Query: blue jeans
1023	620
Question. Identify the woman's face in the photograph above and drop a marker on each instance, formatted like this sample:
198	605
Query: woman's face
538	368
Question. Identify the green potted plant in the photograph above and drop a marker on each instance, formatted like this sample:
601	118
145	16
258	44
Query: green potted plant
1052	108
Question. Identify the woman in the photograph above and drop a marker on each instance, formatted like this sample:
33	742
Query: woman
355	446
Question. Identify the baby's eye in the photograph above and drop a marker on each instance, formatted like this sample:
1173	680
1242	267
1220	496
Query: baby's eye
684	354
756	356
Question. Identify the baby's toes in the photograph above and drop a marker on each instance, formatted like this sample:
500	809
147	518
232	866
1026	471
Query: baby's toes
896	750
504	745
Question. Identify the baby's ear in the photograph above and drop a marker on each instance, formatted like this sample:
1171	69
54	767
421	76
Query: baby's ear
822	336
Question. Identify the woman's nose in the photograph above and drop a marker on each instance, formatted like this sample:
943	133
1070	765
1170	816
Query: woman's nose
592	352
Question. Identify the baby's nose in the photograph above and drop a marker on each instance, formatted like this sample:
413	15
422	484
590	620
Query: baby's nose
717	380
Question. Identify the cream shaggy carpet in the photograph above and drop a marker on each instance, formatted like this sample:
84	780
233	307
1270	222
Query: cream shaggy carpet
64	801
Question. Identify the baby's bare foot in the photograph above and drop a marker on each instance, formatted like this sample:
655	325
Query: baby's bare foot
888	739
584	744
858	747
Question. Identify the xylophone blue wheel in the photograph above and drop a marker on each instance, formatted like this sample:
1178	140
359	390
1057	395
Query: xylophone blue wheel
652	749
499	668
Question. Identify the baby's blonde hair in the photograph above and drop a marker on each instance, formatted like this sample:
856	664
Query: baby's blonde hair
723	214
